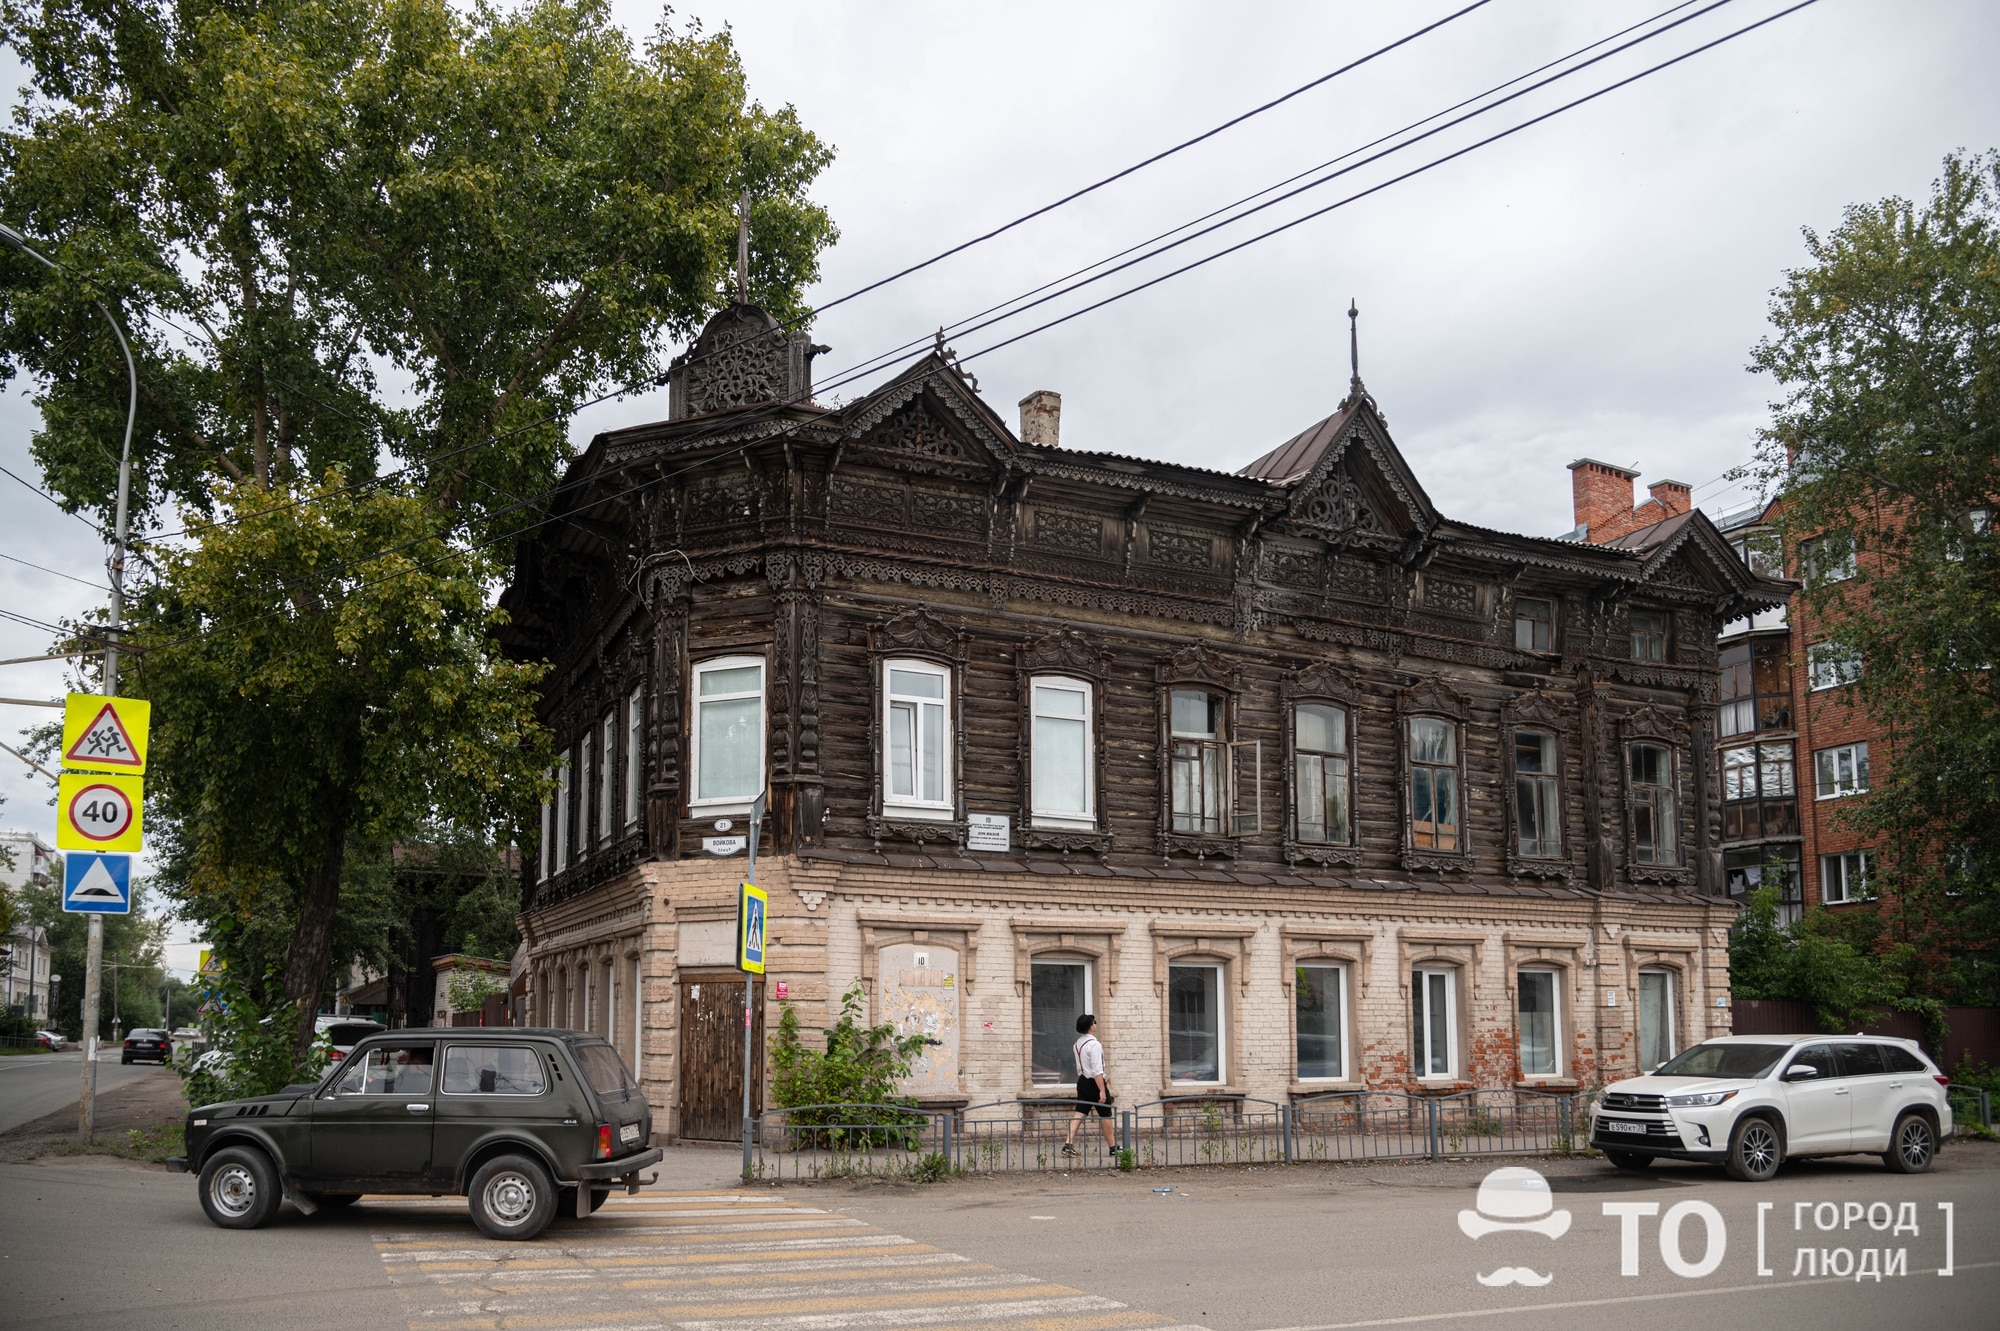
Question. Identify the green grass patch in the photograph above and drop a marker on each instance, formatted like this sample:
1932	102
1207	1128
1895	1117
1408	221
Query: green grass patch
152	1144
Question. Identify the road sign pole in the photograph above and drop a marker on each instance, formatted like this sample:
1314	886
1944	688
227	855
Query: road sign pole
749	980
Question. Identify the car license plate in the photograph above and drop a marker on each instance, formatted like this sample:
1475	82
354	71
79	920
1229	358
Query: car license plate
629	1133
1614	1125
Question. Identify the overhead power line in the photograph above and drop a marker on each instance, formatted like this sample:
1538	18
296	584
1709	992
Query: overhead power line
738	421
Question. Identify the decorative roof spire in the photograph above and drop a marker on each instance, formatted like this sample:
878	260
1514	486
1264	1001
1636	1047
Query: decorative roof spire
1354	388
743	250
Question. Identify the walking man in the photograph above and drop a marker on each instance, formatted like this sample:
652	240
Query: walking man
1093	1088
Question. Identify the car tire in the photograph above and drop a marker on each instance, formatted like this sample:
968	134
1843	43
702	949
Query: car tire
512	1197
1756	1149
1629	1160
125	1059
239	1188
1912	1146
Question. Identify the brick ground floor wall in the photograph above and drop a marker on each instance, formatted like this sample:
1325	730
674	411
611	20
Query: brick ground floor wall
952	952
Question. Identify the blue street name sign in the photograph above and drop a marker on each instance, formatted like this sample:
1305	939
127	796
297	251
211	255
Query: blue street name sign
97	884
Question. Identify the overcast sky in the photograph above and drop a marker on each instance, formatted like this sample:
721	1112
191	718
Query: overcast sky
1590	286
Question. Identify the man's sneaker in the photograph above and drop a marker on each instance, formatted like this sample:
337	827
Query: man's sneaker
1068	1149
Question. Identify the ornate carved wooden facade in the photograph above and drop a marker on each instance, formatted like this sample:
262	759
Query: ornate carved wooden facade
914	526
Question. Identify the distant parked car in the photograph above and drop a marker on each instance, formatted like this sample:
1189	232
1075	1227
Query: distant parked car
52	1040
143	1045
1750	1102
342	1036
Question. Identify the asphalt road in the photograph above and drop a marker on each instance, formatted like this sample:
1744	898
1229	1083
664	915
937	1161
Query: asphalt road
1228	1250
32	1085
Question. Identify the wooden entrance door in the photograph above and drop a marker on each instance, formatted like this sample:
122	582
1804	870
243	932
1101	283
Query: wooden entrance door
712	1056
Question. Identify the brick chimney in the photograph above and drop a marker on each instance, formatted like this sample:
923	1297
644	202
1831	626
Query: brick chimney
1673	496
1041	418
1600	494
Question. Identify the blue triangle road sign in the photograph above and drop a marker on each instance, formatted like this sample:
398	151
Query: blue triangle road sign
97	884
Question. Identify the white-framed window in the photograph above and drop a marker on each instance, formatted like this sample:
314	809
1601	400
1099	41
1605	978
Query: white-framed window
635	754
1433	783
1830	665
1657	1033
916	738
1538	1022
607	776
1321	792
583	775
1828	558
548	847
728	732
1061	790
1319	1001
1655	812
1842	770
1537	801
1058	993
562	814
1434	1004
1196	1051
1843	879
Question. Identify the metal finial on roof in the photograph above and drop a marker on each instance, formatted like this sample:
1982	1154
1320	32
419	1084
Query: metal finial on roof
743	250
1354	388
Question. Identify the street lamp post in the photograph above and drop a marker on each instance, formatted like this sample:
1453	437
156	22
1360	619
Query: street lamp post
86	1105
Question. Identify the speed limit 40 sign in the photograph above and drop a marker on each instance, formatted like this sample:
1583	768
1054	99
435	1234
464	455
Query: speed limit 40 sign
99	812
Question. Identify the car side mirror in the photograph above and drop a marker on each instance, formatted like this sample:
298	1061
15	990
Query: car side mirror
489	1081
1800	1072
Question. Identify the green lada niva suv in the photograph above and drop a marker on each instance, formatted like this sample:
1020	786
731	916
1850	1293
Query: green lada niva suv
521	1121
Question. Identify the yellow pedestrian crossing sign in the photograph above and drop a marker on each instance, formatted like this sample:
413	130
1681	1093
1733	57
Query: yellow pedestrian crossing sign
751	904
95	812
102	734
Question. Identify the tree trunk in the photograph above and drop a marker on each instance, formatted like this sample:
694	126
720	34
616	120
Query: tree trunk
312	940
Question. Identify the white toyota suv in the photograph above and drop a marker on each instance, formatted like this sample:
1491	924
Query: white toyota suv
1749	1101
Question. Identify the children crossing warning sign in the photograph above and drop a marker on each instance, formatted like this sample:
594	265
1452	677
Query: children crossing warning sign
102	734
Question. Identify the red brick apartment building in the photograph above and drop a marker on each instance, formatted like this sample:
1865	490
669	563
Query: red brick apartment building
1794	744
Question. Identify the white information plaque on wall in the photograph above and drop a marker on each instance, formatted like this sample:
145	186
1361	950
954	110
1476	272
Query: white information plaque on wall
988	831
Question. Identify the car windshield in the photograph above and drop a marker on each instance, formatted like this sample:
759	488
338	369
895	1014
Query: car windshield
1723	1060
604	1068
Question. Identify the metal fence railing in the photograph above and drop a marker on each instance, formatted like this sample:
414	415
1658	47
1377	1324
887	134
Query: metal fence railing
1016	1136
1969	1105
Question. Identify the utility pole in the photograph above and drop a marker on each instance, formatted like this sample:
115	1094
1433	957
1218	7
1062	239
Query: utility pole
86	1105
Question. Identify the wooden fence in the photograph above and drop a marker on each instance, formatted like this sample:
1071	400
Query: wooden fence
1971	1033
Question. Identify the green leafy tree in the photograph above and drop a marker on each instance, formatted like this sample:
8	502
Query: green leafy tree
292	203
300	702
855	1064
1886	347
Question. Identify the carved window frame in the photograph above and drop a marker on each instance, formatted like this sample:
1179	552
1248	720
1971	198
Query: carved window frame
1065	654
1434	700
1649	725
1321	684
1197	668
1537	712
916	635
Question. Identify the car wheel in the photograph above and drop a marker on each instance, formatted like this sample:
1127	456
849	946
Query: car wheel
126	1059
239	1188
333	1201
1629	1160
512	1197
1756	1149
1912	1146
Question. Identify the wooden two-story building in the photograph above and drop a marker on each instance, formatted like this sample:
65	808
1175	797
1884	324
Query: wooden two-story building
1296	783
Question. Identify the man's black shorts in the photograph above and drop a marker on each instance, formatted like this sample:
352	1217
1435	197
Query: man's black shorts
1086	1089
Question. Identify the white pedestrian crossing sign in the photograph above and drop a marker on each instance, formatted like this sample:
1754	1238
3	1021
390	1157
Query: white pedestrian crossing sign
99	884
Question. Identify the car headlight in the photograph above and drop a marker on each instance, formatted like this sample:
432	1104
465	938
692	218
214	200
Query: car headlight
1700	1099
